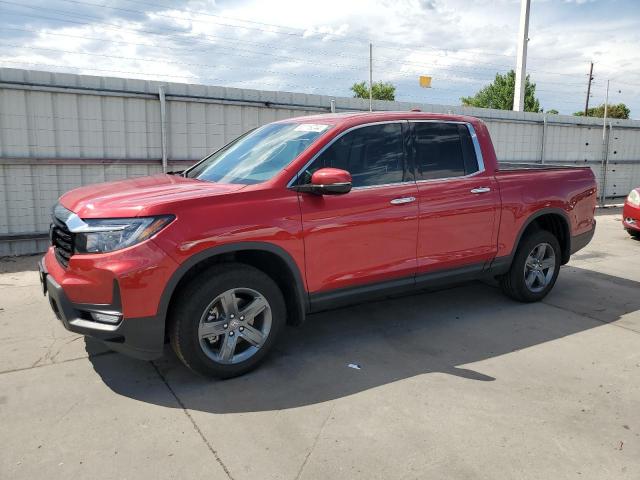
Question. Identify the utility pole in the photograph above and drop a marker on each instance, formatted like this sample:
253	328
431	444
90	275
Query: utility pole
521	61
371	77
586	104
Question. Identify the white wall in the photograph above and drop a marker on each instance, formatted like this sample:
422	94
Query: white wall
59	131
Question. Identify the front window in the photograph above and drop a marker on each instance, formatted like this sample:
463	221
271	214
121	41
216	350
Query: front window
373	155
258	155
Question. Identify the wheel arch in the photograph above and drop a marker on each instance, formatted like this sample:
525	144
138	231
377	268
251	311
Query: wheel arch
267	257
554	220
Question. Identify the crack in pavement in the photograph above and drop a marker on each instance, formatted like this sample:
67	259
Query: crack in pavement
49	355
193	422
21	369
315	443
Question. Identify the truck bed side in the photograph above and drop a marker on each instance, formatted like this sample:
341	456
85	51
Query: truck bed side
527	193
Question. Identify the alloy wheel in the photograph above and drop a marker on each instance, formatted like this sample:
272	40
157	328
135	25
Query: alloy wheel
235	325
539	267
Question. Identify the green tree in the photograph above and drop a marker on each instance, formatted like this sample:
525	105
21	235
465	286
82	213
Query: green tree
379	90
619	110
499	94
553	111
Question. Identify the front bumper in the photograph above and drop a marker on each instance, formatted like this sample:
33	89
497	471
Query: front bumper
631	217
140	337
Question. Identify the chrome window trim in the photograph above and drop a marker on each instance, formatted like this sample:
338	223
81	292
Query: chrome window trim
445	179
472	133
382	185
335	139
476	146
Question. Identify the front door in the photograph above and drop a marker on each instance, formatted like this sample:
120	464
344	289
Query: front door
368	235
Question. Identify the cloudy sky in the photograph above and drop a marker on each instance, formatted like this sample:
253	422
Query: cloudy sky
322	46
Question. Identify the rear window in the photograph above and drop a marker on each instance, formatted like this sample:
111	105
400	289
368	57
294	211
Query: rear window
443	150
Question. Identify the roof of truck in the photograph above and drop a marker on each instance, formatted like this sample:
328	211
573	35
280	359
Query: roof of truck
355	118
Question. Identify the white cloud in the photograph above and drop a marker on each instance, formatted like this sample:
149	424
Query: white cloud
324	46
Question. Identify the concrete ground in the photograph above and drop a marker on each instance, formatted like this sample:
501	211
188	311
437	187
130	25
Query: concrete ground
456	384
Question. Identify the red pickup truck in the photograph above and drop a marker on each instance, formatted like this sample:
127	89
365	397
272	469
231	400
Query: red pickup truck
303	215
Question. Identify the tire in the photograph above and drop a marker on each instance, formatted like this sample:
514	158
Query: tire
516	283
212	340
634	233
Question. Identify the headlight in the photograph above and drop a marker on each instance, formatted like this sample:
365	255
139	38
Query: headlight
634	198
107	235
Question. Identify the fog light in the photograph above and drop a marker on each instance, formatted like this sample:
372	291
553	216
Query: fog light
105	317
631	221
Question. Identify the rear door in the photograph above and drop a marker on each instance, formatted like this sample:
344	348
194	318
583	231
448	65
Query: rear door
369	234
458	200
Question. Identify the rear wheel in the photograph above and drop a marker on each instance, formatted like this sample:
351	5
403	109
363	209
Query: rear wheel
534	269
226	320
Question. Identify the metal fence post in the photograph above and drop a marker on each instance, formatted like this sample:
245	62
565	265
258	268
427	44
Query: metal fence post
544	136
605	162
163	128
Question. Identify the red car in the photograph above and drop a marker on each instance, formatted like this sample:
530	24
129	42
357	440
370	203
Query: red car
631	213
303	215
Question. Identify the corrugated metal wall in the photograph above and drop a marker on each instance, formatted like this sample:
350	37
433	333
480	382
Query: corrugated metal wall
59	131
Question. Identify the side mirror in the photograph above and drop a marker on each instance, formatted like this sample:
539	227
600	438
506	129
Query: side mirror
328	181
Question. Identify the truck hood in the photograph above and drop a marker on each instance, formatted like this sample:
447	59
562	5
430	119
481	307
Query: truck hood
137	196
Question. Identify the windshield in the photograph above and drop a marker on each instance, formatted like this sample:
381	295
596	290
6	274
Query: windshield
258	155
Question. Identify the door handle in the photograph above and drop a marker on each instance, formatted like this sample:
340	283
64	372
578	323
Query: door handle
400	201
480	190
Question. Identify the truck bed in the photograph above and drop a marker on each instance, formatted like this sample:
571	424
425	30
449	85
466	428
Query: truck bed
510	166
527	189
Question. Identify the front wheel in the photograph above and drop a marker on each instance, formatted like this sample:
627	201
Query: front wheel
534	269
634	233
226	320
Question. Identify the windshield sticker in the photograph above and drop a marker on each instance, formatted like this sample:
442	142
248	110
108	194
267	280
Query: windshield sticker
311	127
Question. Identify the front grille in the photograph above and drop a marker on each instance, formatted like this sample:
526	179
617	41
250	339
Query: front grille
62	241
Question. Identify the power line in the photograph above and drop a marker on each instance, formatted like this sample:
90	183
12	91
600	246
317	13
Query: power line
300	33
174	48
156	75
155	60
262	53
455	69
445	99
314	52
447	53
614	81
221	66
209	45
180	34
163	34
